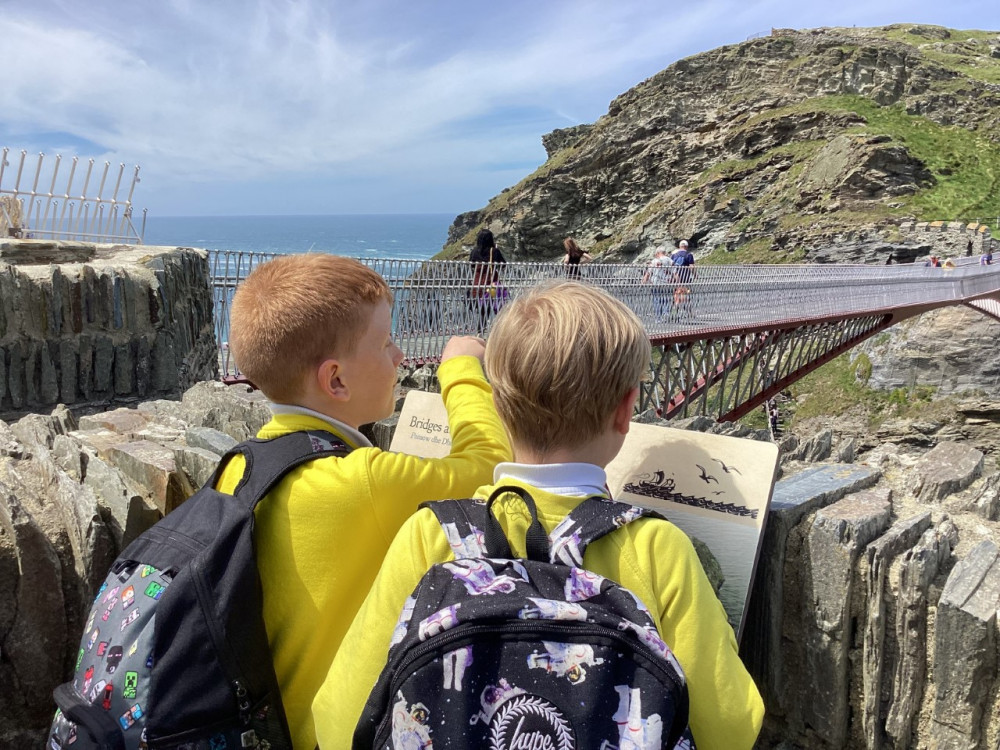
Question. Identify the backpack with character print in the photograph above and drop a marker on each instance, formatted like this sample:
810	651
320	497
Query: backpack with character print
509	654
174	655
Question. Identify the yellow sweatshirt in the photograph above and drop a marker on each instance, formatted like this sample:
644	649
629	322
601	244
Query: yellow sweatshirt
652	558
323	531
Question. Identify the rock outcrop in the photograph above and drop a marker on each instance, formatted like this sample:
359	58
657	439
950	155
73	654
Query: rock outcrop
86	324
797	145
872	621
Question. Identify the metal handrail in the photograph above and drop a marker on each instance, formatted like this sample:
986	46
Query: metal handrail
72	214
435	300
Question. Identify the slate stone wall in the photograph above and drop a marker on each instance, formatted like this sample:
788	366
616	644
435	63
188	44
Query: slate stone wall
84	324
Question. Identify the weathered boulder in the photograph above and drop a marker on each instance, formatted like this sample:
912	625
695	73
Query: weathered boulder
965	648
839	534
775	601
87	324
918	568
987	503
878	600
946	469
815	448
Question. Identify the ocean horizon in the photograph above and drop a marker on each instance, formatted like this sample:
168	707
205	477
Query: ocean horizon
406	236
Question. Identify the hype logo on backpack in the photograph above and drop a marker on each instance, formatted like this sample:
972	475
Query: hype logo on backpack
174	654
526	654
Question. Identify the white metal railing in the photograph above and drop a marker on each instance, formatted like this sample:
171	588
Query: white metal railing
436	299
89	210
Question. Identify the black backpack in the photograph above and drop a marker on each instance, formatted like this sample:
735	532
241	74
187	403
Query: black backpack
174	653
518	654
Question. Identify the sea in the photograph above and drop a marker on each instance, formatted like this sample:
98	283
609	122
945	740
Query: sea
405	236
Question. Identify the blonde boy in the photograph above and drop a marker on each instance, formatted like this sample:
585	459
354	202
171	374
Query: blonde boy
313	332
565	363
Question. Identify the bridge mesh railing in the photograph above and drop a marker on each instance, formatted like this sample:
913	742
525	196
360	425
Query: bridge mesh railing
436	299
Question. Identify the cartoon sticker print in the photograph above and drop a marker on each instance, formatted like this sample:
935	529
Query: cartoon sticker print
130	686
93	638
128	597
132	616
154	590
569	660
115	654
109	691
98	688
409	726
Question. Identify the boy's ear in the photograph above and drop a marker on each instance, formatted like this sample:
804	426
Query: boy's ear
623	412
329	379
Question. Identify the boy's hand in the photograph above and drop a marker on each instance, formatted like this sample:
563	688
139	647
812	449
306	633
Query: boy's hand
461	346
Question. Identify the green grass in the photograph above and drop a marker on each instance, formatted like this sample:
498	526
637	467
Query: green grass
840	386
965	165
756	251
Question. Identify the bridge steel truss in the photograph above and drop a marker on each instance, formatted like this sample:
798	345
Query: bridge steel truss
724	342
728	375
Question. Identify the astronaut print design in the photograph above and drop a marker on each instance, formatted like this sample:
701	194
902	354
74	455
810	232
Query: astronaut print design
569	660
443	619
470	545
480	577
552	609
582	584
634	731
404	621
526	654
409	725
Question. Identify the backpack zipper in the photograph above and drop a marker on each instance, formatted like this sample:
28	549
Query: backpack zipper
227	657
468	631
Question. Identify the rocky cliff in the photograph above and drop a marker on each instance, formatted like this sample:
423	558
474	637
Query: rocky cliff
775	149
873	618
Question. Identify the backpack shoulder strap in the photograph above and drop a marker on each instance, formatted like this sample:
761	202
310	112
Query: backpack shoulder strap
464	525
590	520
473	531
267	461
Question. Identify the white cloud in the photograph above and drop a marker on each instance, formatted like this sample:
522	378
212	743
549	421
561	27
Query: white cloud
241	90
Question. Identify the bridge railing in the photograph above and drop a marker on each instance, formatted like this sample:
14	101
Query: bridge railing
67	200
436	299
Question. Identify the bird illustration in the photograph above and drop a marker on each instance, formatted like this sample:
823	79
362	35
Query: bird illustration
719	492
728	469
706	476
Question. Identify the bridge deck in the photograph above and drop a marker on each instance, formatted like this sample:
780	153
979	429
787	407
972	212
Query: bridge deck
757	327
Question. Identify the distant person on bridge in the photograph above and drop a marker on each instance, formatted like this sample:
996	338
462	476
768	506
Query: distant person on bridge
933	262
314	333
658	275
986	259
487	295
683	260
575	256
563	437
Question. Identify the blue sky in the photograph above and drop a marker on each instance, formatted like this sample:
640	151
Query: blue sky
373	106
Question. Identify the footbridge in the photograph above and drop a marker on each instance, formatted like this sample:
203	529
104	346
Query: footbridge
725	341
